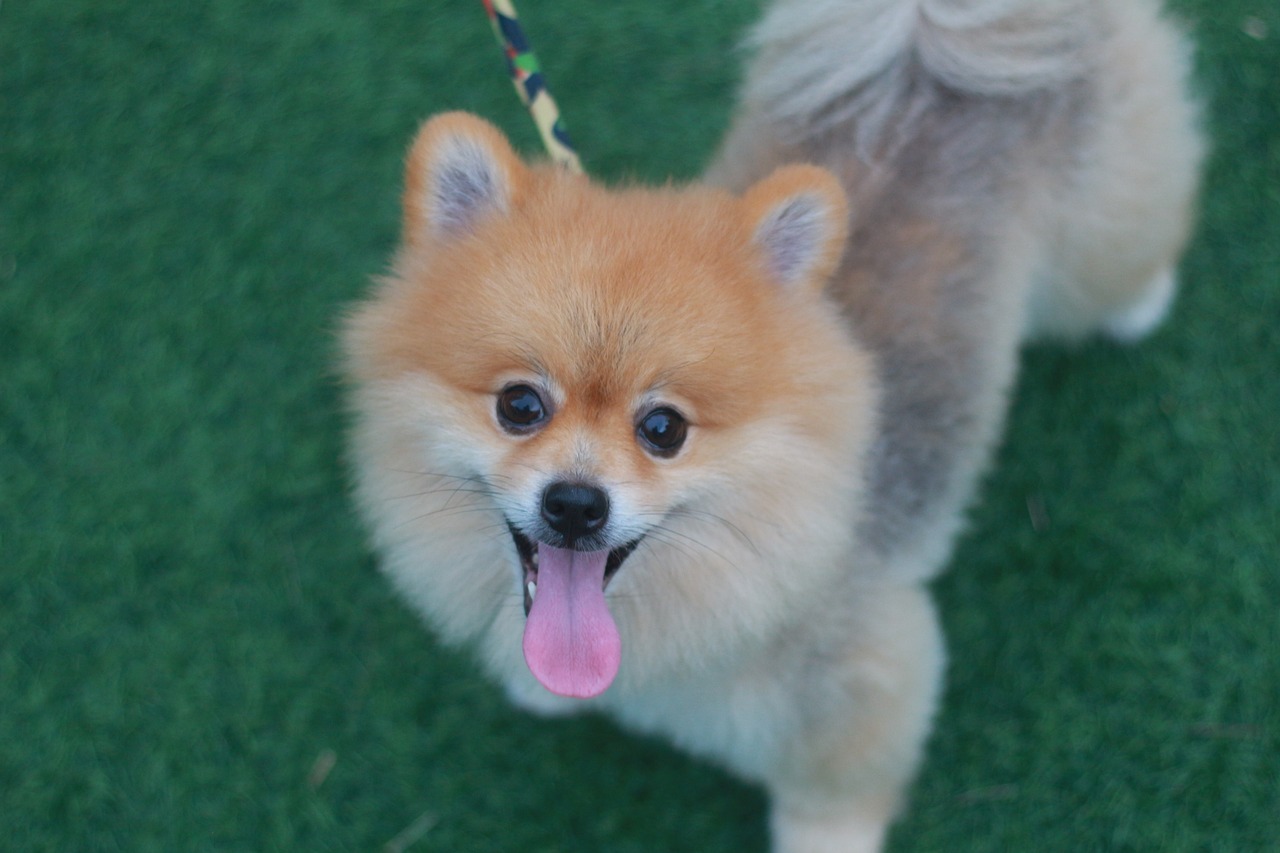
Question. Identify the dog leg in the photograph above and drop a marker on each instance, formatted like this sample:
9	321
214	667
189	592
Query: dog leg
852	832
1119	221
844	780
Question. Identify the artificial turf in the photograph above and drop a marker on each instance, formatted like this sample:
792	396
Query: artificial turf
196	650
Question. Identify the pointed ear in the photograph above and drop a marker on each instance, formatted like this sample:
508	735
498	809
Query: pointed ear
461	170
798	218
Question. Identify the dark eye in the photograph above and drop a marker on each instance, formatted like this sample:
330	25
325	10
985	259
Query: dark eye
520	408
663	430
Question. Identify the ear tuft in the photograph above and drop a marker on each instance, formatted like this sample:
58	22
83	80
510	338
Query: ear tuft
461	170
798	219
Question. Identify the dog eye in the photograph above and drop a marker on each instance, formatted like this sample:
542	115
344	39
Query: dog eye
520	408
663	430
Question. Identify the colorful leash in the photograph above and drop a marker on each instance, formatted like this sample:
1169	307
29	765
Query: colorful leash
530	83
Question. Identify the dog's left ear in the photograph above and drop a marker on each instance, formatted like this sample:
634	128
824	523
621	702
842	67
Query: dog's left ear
798	218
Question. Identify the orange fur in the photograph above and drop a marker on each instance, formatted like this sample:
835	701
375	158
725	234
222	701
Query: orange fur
613	299
837	339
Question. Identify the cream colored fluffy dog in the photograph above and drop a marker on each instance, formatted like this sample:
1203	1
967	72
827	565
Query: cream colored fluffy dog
688	456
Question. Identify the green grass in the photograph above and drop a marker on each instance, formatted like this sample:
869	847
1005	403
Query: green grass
189	618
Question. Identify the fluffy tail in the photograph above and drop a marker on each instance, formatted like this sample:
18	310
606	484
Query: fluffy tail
820	62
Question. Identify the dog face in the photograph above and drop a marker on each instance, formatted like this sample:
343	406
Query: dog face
628	419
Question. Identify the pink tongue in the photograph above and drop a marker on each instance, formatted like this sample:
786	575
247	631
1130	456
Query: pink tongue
570	642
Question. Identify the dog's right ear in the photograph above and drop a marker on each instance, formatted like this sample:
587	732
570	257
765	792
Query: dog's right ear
461	171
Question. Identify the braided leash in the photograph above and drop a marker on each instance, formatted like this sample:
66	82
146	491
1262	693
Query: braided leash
530	83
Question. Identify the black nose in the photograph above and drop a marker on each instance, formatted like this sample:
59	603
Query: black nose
574	510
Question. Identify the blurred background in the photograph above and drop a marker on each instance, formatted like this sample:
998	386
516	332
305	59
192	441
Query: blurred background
196	649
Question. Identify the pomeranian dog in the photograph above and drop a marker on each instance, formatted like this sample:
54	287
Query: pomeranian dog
688	456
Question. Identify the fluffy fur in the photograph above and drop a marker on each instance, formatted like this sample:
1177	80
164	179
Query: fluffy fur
839	338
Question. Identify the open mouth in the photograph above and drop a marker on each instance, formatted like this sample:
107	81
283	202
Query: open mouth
527	549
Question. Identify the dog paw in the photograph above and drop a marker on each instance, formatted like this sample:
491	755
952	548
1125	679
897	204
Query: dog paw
1140	318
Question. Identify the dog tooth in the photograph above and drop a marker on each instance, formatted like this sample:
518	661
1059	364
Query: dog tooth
533	590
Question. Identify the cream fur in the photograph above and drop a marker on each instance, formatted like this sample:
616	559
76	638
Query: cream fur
1013	168
1122	218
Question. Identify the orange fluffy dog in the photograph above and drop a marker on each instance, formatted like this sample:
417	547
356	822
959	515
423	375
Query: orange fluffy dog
688	456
